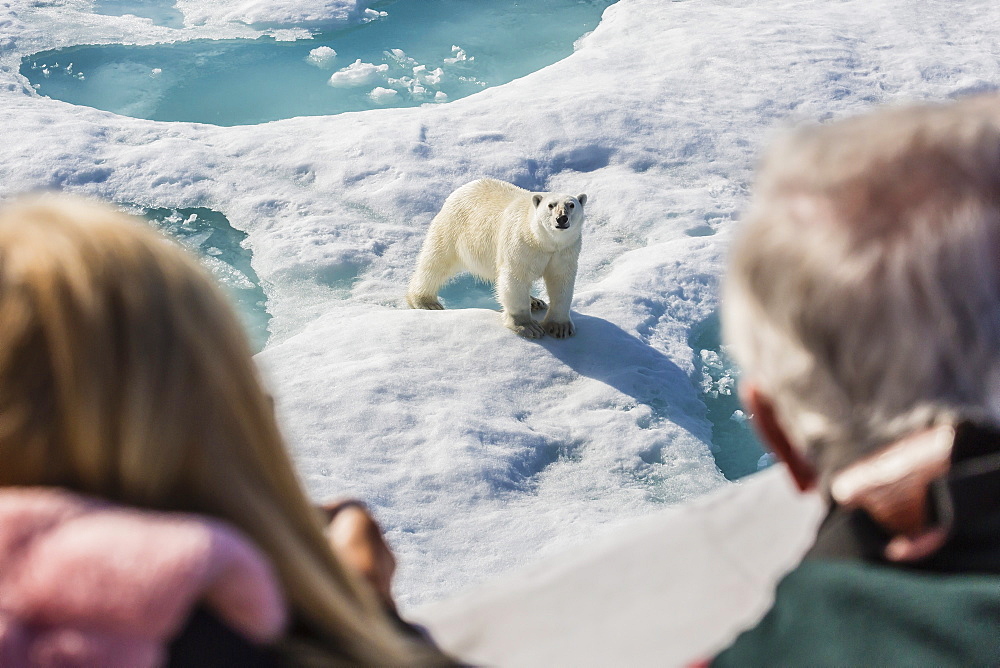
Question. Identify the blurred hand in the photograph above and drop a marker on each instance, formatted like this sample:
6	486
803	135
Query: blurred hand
357	540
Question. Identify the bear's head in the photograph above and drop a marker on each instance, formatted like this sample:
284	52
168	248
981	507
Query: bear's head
558	213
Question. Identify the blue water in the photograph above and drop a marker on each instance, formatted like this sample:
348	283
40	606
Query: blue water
221	249
467	291
736	449
426	51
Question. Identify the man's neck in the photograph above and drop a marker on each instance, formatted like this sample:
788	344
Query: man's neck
970	491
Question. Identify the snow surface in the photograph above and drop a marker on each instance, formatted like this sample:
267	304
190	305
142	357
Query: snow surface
314	14
480	451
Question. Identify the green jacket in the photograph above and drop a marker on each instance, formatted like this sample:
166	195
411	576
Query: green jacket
852	613
845	606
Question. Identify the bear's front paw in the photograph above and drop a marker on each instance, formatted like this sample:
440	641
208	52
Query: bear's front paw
560	330
526	327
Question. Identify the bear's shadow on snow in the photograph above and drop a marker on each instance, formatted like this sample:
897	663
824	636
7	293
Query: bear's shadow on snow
607	353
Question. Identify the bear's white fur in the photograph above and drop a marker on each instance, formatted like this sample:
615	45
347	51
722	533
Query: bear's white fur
511	237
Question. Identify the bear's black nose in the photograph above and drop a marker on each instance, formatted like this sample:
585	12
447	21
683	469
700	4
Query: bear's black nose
562	220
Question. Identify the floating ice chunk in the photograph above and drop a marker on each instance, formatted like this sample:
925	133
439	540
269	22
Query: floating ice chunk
739	417
403	82
155	72
766	459
228	274
46	72
401	60
472	80
459	56
321	56
711	359
289	34
440	96
429	77
381	95
717	374
423	83
373	15
357	74
195	241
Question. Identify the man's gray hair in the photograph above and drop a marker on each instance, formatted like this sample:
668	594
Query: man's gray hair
863	295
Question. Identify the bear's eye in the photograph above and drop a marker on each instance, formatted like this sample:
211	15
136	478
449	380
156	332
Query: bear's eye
552	205
570	205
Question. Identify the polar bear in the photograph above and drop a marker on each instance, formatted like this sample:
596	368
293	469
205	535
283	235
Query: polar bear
511	237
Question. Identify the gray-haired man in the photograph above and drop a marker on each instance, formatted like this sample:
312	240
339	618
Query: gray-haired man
863	303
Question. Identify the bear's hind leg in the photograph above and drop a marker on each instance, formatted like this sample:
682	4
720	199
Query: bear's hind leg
434	268
538	305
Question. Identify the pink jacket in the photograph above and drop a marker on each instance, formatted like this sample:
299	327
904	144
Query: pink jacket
85	582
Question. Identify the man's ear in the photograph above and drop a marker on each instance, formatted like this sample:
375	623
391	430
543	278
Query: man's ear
765	422
536	199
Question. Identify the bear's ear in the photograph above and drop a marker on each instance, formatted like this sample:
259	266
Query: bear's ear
536	199
582	198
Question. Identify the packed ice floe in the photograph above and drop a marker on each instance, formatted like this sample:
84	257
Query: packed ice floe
480	451
313	14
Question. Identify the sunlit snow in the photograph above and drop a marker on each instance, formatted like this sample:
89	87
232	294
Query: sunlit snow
478	450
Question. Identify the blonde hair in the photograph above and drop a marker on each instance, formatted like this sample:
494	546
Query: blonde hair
125	374
863	294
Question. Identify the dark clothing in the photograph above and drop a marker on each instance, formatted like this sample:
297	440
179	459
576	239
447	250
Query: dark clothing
845	605
206	641
851	613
